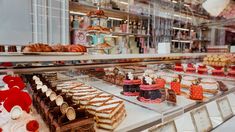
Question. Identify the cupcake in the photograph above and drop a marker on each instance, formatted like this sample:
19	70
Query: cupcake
202	69
131	85
179	67
190	68
149	91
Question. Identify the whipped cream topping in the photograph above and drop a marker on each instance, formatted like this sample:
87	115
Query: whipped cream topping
130	75
149	80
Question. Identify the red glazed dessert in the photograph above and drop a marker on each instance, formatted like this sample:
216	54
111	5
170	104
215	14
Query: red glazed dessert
179	67
131	85
149	91
196	92
231	72
190	68
176	87
161	82
218	71
202	69
32	126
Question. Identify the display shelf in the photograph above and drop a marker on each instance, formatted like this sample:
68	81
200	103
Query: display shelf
19	57
85	8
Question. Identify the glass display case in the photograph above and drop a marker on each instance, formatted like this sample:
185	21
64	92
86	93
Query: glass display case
110	77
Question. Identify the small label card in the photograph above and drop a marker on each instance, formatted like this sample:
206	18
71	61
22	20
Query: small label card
224	108
201	119
166	127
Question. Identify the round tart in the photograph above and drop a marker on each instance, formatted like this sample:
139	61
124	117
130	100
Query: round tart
16	112
70	113
59	100
64	107
53	96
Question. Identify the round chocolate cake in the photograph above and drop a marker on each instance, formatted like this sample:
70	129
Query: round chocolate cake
131	85
149	91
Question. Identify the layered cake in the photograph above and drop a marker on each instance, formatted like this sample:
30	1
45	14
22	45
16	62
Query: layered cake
190	68
179	67
187	81
131	85
202	69
149	91
110	114
231	72
218	71
108	110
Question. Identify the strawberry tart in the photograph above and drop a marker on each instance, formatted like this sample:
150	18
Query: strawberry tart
131	85
149	91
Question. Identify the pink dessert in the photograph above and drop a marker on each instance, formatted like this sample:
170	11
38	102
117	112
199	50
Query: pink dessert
231	72
191	68
202	69
218	71
131	85
149	91
179	67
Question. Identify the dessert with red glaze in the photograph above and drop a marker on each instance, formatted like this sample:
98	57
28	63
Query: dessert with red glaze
131	85
190	68
179	67
202	69
231	72
161	82
196	92
218	71
175	86
149	91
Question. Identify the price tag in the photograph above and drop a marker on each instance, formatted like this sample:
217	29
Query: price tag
201	119
166	127
224	108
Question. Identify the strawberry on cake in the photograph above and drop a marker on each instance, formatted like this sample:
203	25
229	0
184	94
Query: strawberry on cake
149	91
131	85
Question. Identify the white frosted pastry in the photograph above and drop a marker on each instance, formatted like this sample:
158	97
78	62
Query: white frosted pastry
209	84
169	77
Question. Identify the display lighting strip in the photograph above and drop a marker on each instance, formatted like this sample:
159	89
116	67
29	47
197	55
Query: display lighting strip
183	29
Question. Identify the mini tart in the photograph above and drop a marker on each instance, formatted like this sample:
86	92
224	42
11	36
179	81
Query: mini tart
179	68
231	73
209	84
218	72
190	69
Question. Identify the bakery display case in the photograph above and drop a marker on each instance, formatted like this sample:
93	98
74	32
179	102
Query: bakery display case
121	92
